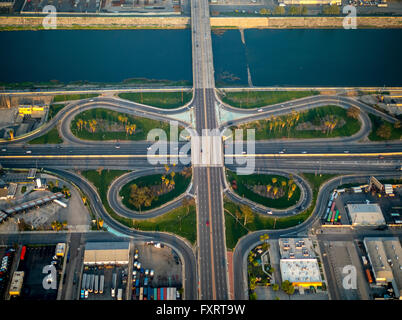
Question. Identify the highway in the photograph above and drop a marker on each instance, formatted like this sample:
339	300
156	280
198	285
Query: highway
212	265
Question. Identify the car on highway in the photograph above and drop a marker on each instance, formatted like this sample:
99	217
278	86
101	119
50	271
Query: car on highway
28	152
91	100
259	110
117	146
380	157
281	152
207	223
4	150
304	152
269	212
346	151
149	148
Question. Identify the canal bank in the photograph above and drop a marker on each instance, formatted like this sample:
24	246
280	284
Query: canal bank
8	23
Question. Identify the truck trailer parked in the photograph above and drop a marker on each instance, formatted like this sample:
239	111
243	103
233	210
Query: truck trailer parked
96	286
101	283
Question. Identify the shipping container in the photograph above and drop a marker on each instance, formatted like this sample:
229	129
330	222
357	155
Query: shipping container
142	293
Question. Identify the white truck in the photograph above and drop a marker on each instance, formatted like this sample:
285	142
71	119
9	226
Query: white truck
120	294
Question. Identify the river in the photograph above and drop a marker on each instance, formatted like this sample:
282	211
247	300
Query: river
330	57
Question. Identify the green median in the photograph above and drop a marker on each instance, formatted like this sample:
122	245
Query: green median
160	189
383	130
273	191
257	99
71	97
180	221
321	122
164	100
239	220
52	137
102	124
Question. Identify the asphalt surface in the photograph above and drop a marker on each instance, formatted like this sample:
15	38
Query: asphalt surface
212	265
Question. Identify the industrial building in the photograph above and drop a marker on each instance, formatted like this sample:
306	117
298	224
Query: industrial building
106	253
16	283
301	272
296	248
384	255
313	2
365	214
298	263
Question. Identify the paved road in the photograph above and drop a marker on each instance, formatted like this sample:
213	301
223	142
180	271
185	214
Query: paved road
213	276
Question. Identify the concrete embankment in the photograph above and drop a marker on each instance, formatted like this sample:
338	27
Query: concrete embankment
98	22
102	22
303	22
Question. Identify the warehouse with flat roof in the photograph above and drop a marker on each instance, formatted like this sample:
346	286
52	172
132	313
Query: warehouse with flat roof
102	253
301	272
384	255
363	214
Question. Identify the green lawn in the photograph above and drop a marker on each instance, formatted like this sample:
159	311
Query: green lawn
54	109
181	184
165	100
263	179
377	122
285	126
176	221
110	118
235	229
69	97
52	137
257	99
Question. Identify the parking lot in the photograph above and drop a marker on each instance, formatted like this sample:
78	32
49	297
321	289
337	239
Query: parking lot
165	263
36	258
337	255
7	255
388	204
62	5
107	272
